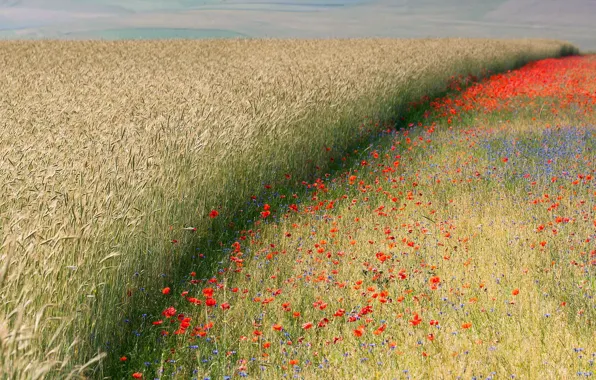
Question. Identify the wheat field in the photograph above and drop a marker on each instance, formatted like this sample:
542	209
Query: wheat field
109	149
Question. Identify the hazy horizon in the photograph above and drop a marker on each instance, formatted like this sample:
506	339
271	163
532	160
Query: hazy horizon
571	20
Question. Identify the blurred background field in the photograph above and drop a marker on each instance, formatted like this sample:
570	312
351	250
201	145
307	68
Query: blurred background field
570	20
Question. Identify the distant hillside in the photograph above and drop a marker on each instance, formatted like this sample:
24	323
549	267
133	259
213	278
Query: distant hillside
111	19
572	13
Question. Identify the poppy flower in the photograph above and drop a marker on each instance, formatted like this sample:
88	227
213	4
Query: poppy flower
307	325
380	329
416	320
210	302
213	214
276	327
169	312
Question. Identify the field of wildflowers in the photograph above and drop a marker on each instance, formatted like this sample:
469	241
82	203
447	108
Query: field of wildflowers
462	245
127	165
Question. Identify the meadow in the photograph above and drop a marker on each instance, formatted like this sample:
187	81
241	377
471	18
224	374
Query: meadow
129	171
461	246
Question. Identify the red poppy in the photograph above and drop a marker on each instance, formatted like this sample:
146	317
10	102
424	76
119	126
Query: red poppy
380	329
169	312
210	302
416	320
